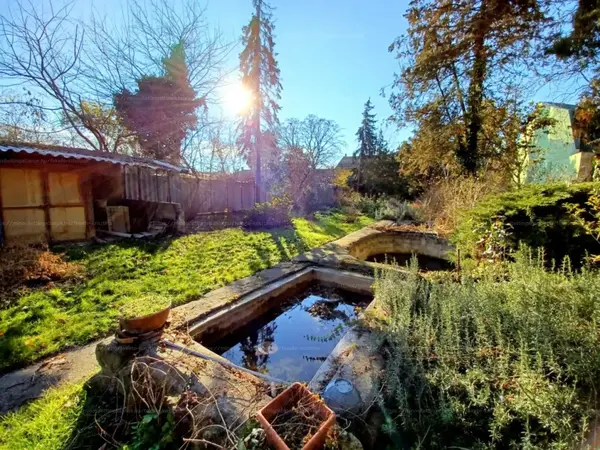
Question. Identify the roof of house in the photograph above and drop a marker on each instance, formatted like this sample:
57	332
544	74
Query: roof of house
347	162
82	153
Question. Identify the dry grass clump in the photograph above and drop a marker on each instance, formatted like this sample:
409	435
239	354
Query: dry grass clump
23	265
444	202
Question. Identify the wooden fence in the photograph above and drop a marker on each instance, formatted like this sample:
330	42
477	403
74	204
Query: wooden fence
199	196
151	185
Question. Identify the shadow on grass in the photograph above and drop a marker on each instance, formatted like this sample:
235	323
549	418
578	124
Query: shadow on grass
103	417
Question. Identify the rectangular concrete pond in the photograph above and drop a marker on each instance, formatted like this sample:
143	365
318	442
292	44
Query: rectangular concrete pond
288	328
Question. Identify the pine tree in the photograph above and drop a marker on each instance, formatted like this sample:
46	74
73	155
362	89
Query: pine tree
366	134
382	144
260	74
367	139
163	109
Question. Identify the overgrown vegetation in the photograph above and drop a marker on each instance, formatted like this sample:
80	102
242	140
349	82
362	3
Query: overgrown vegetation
537	215
445	202
507	361
44	321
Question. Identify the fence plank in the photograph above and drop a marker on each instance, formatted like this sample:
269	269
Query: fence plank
215	196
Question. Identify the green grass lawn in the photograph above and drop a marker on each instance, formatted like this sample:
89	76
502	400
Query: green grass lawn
45	321
47	423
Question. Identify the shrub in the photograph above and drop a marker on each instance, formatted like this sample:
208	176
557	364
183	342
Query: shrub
273	214
445	202
397	210
537	215
489	364
368	205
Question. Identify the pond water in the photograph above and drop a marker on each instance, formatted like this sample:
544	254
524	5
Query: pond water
292	340
426	263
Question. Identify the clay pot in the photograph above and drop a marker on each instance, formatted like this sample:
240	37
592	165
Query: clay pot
145	324
286	400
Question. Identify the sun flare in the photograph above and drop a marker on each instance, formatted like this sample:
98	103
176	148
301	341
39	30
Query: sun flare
238	98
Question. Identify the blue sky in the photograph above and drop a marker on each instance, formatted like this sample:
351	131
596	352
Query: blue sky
332	54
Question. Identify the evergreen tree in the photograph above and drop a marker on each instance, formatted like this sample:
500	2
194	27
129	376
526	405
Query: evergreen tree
260	74
163	110
367	140
366	134
382	145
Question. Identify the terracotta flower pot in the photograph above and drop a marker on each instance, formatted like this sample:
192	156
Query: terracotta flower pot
285	401
145	324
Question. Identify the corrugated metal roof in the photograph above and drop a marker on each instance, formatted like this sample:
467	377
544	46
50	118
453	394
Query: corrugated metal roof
80	153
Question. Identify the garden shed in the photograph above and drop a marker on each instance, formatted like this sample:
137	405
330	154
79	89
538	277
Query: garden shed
53	194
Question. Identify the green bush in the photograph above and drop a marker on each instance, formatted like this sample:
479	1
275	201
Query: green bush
396	210
492	364
273	214
369	205
379	208
537	216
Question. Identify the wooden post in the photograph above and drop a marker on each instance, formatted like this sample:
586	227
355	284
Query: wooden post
169	195
1	213
46	203
139	183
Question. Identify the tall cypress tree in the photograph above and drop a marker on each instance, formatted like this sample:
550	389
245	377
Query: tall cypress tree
260	74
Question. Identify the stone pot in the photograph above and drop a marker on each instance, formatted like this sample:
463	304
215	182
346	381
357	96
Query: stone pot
145	324
286	400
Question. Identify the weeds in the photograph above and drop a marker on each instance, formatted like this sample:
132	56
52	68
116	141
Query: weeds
445	203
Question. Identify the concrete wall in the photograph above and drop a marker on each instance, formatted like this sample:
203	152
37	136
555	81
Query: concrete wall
399	242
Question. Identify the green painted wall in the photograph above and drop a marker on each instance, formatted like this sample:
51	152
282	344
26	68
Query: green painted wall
558	145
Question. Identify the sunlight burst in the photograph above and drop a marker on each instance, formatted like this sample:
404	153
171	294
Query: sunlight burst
238	98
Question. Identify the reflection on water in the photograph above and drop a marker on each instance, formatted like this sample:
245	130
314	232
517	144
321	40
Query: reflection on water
291	342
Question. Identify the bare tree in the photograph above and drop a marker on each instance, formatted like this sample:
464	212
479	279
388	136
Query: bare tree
41	48
23	118
137	46
307	145
213	147
319	139
75	67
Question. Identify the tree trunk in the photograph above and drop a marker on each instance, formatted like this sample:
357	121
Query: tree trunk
257	138
258	174
469	154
